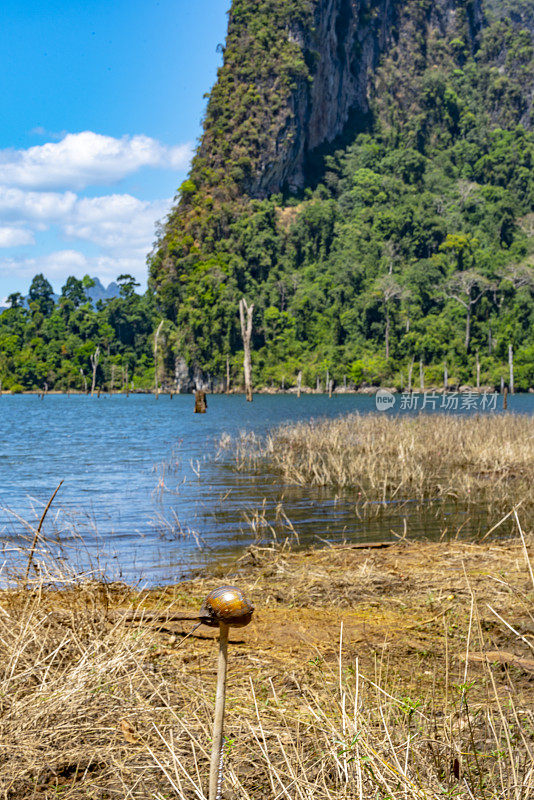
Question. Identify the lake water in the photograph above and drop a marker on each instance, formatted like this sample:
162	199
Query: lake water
147	489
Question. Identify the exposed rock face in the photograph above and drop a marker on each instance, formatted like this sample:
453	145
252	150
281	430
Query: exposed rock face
342	48
193	379
347	42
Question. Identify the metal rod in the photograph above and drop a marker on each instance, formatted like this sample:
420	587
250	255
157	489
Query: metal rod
219	710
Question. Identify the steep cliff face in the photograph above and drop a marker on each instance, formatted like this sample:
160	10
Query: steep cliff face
321	84
349	144
342	49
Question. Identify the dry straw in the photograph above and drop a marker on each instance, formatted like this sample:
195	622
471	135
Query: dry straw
404	673
419	697
487	461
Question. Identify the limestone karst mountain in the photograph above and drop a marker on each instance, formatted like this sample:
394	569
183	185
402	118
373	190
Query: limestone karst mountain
356	156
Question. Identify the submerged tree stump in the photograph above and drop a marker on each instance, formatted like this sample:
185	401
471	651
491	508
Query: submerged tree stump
201	403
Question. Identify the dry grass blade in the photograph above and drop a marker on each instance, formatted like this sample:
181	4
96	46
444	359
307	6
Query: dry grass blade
38	532
527	557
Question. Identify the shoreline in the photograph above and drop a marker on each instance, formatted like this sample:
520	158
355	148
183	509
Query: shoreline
364	391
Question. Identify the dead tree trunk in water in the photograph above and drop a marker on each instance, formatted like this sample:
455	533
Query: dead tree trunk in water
410	373
246	332
95	358
299	383
156	340
511	364
201	404
227	374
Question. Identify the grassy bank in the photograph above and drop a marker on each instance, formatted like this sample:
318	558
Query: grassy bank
381	674
483	460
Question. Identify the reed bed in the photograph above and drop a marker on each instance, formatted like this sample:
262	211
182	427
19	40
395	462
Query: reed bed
396	674
484	460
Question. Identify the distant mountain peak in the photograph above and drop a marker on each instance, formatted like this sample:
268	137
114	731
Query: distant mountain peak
101	292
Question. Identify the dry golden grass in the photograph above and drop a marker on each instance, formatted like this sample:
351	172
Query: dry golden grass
352	682
484	460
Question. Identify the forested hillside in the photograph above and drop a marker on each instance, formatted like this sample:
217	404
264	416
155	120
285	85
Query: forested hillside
65	343
365	178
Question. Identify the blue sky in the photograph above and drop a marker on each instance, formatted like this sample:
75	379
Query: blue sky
101	109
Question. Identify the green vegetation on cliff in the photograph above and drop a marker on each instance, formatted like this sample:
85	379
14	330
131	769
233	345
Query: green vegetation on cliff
415	241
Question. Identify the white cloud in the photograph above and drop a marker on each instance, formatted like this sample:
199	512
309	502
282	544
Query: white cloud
109	221
41	131
87	158
41	204
15	237
121	227
37	208
116	222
